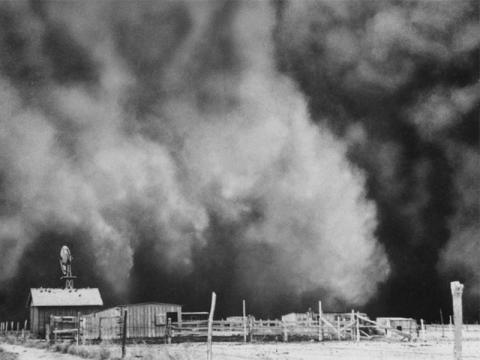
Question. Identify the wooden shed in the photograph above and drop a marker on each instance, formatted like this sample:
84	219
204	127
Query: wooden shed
60	302
406	325
144	320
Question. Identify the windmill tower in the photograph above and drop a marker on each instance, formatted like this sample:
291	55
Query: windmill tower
66	266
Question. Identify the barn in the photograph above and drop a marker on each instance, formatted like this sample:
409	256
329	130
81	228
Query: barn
144	320
44	302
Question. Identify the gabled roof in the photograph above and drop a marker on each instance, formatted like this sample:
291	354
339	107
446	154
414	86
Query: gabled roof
65	297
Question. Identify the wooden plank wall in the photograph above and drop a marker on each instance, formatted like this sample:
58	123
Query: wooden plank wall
142	321
39	316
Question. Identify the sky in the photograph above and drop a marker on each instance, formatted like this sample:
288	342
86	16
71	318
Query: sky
280	152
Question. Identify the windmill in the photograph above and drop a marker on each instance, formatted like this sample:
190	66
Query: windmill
66	266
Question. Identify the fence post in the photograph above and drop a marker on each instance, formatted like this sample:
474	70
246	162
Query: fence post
78	326
457	291
352	325
441	321
210	324
124	333
338	328
320	322
285	332
250	328
422	329
47	333
244	322
169	331
358	326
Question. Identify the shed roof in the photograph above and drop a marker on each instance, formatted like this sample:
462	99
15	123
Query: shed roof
65	297
149	303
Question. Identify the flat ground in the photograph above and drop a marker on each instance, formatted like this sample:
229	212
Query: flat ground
24	353
364	350
314	351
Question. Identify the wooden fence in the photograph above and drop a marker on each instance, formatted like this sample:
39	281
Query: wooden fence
88	329
110	328
14	328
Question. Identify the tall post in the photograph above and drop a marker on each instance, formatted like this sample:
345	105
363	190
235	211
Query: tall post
338	327
441	322
457	291
358	326
124	333
422	330
353	328
210	325
250	328
244	312
285	331
78	327
320	322
47	333
169	330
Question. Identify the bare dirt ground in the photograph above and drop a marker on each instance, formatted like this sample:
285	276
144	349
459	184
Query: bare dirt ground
373	350
313	351
25	353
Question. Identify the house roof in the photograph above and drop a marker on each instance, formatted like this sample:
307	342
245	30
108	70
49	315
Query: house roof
65	297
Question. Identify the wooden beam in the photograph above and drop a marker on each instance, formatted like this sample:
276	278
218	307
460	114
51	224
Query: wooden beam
320	323
244	320
210	322
457	291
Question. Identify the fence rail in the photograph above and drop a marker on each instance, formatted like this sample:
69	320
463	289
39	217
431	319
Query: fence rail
89	328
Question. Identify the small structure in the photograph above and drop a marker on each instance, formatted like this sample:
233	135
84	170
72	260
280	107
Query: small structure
144	320
68	302
45	303
297	317
405	325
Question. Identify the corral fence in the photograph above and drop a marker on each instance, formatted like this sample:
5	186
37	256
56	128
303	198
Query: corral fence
91	329
354	326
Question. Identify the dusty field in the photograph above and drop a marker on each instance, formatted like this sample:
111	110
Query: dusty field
315	351
4	355
24	353
380	350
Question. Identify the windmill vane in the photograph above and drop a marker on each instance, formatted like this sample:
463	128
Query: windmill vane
66	266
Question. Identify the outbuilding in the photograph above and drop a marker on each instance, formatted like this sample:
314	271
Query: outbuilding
45	302
405	325
144	320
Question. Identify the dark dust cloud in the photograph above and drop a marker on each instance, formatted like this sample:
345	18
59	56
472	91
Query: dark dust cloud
278	152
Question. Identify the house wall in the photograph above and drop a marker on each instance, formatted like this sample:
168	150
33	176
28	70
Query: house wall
39	316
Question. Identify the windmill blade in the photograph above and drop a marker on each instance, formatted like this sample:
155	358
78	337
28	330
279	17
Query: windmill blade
63	267
65	255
